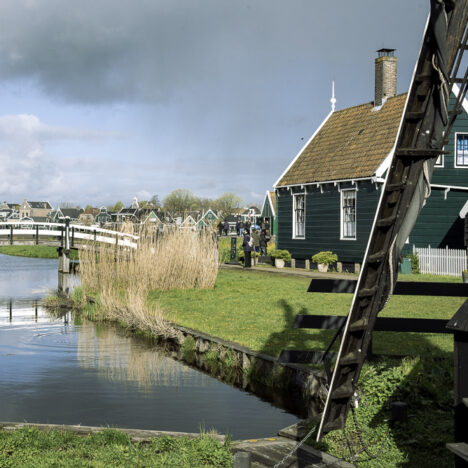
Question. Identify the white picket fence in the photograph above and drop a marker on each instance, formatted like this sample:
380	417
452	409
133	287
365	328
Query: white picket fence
441	261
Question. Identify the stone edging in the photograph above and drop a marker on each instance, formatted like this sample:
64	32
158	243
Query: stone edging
136	435
301	378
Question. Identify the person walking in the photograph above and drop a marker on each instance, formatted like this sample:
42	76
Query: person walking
238	227
226	227
246	245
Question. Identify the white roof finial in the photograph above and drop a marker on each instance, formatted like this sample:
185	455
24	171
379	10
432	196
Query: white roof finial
333	100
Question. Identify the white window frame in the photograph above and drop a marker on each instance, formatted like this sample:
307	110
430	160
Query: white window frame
294	235
342	236
455	151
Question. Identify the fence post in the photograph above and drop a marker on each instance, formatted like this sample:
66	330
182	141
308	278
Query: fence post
37	234
11	234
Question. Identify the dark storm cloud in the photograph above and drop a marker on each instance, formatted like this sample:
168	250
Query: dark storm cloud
230	87
111	50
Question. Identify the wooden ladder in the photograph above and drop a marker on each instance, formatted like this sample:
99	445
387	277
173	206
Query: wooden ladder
415	145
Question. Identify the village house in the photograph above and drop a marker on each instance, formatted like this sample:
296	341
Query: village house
38	211
268	213
327	197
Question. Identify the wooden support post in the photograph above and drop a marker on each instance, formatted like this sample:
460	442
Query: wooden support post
307	264
73	237
293	263
37	234
11	235
459	325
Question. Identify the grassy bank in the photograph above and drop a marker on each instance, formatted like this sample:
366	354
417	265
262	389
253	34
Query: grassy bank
31	448
426	386
34	251
257	310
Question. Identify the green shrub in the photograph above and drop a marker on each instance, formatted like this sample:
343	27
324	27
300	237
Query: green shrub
414	258
325	257
241	254
281	254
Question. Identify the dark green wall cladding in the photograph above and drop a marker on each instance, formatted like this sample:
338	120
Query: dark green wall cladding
449	174
323	222
438	224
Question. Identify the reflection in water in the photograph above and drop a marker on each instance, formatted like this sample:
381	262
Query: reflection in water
56	371
30	278
122	358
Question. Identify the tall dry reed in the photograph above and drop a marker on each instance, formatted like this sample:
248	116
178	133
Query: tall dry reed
123	277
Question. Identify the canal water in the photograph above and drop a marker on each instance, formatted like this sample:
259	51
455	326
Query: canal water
63	371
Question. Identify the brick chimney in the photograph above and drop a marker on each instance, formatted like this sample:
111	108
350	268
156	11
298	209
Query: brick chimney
385	76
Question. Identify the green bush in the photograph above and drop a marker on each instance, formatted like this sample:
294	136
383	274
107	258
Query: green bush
414	263
282	254
241	254
325	257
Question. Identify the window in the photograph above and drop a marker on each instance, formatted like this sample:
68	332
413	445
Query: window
299	216
461	155
348	214
440	161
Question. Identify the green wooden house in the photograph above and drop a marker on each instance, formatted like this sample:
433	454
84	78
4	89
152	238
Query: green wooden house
269	211
327	197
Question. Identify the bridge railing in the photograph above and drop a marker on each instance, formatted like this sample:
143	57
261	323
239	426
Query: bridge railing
66	235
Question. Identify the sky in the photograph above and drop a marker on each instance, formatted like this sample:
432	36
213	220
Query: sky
105	100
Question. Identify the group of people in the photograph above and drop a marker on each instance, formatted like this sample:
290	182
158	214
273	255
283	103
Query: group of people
254	242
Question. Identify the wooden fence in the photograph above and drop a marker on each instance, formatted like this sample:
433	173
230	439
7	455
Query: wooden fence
441	261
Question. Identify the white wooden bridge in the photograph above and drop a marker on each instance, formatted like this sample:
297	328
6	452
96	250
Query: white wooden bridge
63	236
68	236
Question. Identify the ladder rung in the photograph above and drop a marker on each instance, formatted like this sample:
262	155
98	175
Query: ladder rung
421	77
460	449
377	257
359	325
345	390
385	222
353	357
366	292
395	187
419	152
458	80
414	115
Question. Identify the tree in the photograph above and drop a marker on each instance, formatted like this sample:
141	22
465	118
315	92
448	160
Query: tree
204	204
117	207
179	200
154	200
228	203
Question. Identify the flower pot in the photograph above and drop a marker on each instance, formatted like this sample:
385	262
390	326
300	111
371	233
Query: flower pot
279	263
322	267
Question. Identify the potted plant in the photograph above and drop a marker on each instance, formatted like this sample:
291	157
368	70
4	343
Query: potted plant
323	259
280	257
465	276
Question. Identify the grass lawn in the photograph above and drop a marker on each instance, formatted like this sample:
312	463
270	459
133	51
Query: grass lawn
31	448
34	251
257	310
